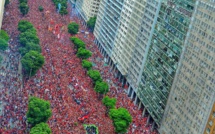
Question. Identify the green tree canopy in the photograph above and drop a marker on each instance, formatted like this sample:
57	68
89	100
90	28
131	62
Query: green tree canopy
84	53
94	75
38	111
40	8
32	61
78	42
121	119
63	3
63	10
28	47
4	35
6	3
27	37
87	64
21	1
24	25
42	128
109	102
1	58
73	28
23	8
3	44
91	22
101	87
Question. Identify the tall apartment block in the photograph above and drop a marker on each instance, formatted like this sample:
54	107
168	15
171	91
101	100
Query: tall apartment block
164	50
189	108
1	11
87	8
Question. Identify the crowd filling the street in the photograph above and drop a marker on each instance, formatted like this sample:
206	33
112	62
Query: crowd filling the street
61	80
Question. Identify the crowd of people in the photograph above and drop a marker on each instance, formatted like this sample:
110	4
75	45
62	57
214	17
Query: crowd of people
61	80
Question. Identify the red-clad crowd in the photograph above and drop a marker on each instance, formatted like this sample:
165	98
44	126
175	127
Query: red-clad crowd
61	80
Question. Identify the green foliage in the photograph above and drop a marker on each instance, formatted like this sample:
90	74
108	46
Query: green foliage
1	58
42	128
94	75
121	119
6	3
110	103
90	126
78	42
73	28
27	37
32	61
87	64
91	22
63	3
83	53
101	87
23	8
40	8
38	111
3	44
24	25
21	1
63	11
28	47
4	35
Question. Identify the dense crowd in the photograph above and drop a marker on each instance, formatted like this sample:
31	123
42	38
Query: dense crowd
62	80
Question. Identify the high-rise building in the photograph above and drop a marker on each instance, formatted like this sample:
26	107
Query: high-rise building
1	11
210	128
164	50
87	8
163	56
192	93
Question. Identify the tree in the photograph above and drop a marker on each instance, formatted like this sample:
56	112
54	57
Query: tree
42	128
87	64
63	10
73	28
3	44
31	62
28	47
101	87
4	35
38	111
91	22
6	3
110	103
40	8
24	25
27	37
21	1
83	53
121	119
23	8
94	75
1	59
77	42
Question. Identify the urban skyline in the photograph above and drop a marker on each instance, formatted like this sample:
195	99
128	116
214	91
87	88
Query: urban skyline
156	48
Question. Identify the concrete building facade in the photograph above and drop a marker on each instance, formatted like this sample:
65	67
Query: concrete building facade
164	50
210	128
1	11
87	8
192	93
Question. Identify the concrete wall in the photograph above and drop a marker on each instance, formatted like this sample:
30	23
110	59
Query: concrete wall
1	11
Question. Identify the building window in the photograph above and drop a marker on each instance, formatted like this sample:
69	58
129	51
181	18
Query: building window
208	130
211	123
213	114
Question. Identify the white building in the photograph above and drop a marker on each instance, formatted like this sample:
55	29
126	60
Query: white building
87	8
164	50
1	11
